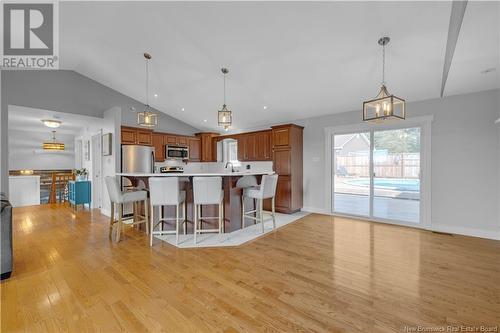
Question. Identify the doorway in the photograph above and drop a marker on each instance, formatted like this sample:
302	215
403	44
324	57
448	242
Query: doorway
381	172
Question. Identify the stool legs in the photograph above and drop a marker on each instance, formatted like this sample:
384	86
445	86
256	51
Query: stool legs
176	224
112	219
243	211
120	222
274	214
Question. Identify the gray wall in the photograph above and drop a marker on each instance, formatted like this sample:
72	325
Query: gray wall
25	151
65	91
465	160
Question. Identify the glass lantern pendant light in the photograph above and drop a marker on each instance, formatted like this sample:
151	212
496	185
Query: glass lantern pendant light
224	115
147	118
385	106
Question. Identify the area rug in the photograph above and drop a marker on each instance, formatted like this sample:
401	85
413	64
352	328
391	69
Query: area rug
235	238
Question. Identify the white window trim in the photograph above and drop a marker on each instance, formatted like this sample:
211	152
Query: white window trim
425	122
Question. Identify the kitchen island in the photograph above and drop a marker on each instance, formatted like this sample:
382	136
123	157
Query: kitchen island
232	196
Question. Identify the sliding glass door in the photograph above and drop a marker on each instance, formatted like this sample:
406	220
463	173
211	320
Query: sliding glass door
377	174
352	173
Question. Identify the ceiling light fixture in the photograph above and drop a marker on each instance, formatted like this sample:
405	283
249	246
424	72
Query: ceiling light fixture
182	109
265	107
51	123
204	120
147	118
224	115
385	106
53	144
155	95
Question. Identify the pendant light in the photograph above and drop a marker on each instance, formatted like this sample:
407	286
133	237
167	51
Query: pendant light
147	118
53	144
385	106
224	115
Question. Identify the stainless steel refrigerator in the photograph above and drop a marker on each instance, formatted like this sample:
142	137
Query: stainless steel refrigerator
136	159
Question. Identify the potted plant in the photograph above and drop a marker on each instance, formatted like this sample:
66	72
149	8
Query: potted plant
81	174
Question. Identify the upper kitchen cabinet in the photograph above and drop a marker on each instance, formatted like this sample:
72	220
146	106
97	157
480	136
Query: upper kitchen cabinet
263	149
137	136
254	146
194	149
208	146
158	144
176	140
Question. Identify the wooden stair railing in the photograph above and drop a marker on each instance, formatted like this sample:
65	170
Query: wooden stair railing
59	184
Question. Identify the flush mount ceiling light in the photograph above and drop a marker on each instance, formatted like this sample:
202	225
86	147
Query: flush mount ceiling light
53	144
51	123
224	115
385	106
147	118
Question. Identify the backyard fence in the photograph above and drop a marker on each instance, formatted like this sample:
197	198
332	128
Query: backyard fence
405	165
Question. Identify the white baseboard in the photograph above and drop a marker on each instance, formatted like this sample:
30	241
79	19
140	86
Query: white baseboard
481	233
316	210
473	232
105	212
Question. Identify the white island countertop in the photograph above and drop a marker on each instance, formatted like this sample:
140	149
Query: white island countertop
196	174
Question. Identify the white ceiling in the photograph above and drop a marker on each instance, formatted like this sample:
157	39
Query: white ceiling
300	59
30	119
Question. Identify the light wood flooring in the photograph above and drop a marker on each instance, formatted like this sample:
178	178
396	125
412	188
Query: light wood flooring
319	274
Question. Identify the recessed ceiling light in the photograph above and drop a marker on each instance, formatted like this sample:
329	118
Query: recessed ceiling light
182	109
155	95
264	107
204	120
488	70
51	123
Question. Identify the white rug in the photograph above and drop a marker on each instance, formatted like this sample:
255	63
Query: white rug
234	238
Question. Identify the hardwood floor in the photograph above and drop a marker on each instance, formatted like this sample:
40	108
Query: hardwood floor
319	274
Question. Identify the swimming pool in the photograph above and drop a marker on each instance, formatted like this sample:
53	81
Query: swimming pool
397	184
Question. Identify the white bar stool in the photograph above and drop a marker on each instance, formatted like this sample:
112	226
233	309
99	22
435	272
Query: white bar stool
207	191
266	190
165	191
119	197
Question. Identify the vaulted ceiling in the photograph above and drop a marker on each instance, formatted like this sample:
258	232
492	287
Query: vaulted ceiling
299	59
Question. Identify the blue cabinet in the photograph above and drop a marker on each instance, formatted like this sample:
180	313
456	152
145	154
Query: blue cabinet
80	192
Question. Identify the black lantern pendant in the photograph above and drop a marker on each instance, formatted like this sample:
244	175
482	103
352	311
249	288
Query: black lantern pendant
385	106
224	115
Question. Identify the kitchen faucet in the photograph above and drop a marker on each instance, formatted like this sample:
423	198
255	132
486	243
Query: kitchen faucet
232	167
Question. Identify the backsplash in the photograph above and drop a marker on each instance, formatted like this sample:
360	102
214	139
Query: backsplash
194	167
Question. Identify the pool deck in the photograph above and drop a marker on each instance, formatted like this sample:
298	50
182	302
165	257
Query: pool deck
388	203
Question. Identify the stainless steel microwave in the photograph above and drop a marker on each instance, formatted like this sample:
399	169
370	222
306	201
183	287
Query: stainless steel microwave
176	152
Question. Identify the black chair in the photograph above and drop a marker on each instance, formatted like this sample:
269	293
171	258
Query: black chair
6	236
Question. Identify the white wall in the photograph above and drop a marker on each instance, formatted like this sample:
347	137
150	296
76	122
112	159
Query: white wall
110	164
25	151
465	161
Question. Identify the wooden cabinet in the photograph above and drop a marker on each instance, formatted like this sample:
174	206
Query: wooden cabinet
208	146
158	144
170	140
136	136
144	137
283	161
248	147
254	146
263	146
194	149
287	158
281	137
176	140
128	135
